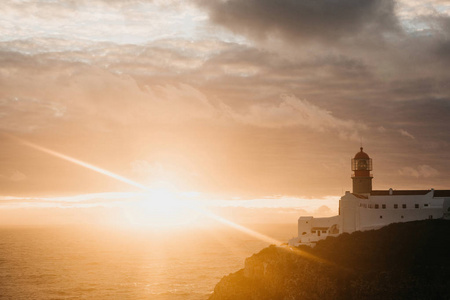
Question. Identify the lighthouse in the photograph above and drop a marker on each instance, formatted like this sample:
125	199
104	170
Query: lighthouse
362	178
367	209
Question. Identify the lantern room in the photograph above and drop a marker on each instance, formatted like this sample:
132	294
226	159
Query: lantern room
362	179
362	164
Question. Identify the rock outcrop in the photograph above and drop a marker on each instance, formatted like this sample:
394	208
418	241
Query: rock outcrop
400	261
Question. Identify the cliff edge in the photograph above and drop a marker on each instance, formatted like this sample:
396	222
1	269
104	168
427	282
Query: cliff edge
399	261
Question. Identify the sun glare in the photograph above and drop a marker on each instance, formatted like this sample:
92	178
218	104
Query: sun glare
162	206
164	200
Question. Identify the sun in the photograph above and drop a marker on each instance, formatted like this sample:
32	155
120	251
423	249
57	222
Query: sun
163	206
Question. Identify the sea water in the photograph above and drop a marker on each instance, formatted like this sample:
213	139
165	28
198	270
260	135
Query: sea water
111	263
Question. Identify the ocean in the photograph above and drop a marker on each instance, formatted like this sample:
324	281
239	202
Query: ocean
109	263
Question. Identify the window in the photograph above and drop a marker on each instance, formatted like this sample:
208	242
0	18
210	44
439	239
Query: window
403	205
377	206
416	205
383	206
402	217
395	205
381	217
425	205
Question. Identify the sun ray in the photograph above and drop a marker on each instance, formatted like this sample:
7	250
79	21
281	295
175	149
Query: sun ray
241	228
78	162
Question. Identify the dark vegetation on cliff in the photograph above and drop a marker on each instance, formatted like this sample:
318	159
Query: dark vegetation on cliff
400	261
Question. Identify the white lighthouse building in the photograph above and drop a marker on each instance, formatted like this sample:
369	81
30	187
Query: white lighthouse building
365	209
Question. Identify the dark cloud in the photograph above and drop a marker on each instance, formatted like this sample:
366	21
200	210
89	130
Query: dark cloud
441	28
366	32
305	20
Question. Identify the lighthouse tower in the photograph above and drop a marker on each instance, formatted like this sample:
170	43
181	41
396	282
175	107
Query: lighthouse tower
362	179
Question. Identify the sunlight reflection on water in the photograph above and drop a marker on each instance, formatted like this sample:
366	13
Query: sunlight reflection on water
100	263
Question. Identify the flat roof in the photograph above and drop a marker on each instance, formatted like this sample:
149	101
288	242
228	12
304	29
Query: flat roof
399	192
437	193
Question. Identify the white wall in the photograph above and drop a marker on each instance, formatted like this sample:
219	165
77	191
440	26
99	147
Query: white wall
349	209
371	217
360	214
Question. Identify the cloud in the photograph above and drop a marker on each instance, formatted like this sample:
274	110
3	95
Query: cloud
406	133
399	50
14	176
422	171
276	209
108	199
326	21
18	176
38	93
324	211
75	90
411	9
291	111
157	173
116	21
28	114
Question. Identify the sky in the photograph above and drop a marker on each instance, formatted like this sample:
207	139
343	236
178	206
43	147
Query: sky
228	100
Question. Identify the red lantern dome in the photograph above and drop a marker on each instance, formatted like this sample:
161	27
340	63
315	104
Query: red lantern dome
362	179
361	154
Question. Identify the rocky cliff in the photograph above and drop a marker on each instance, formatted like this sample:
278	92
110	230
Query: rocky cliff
400	261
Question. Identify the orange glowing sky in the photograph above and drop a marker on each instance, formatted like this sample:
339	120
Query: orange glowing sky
221	101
